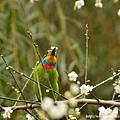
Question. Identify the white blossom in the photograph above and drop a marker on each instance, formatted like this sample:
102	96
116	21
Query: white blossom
47	103
98	4
115	1
29	117
68	94
73	102
7	113
32	1
54	111
54	47
74	88
107	114
118	81
117	88
79	4
114	112
85	89
101	110
58	111
118	12
72	76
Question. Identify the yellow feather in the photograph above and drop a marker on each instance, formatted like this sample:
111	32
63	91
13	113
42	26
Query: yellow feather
51	59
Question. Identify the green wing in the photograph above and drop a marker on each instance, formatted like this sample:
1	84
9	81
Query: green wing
48	78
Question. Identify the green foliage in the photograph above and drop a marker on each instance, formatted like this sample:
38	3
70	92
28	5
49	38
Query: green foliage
55	23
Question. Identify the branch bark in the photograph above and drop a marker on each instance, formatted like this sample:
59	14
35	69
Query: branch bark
94	101
79	101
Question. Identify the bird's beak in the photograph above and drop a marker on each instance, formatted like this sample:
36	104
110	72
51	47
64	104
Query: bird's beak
53	52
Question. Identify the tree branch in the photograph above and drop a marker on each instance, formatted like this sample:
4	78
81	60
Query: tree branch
23	107
93	101
79	101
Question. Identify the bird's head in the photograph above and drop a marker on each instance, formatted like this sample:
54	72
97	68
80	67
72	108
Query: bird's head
50	58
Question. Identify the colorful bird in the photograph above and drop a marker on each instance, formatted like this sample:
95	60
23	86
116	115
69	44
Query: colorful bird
46	74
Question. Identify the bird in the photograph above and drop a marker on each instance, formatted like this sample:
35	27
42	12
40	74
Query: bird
47	74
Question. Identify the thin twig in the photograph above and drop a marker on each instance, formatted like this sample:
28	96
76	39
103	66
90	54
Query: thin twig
37	82
35	45
39	87
24	86
113	97
94	96
86	61
17	85
83	105
99	84
11	99
7	67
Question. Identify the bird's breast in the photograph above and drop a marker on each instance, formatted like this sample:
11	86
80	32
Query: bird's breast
47	67
51	59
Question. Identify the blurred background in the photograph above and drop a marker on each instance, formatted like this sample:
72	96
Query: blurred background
56	23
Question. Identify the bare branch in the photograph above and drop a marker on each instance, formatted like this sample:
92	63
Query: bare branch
79	101
94	101
86	62
23	107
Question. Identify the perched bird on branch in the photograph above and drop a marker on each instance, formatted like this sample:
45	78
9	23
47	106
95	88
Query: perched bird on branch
46	74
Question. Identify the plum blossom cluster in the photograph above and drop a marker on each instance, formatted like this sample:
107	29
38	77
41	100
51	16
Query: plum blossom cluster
74	88
117	86
72	76
117	89
79	4
107	114
54	111
85	89
7	113
76	112
98	4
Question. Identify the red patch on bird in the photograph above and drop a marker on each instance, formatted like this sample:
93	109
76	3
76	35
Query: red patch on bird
47	67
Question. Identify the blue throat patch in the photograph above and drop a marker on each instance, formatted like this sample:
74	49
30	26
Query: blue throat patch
50	64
